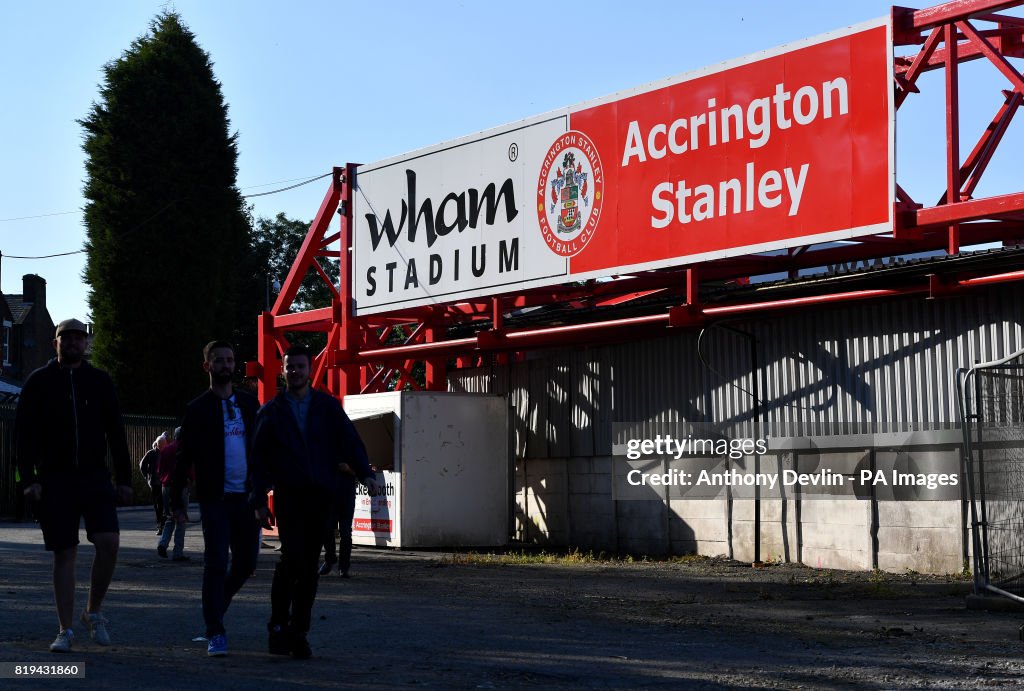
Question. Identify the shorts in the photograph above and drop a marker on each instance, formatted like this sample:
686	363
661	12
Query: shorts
67	499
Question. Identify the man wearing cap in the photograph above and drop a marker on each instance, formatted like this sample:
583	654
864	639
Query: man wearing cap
67	417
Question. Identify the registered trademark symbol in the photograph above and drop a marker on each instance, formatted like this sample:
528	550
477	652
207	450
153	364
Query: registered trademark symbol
513	151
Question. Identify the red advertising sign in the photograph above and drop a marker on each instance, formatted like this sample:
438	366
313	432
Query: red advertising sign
768	153
372	525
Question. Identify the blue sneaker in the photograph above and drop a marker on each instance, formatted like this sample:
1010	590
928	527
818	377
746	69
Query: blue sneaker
218	646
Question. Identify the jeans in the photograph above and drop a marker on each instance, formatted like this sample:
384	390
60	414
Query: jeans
228	524
172	527
301	520
341	516
156	489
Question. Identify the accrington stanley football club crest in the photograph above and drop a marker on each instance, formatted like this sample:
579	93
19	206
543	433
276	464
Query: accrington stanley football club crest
570	191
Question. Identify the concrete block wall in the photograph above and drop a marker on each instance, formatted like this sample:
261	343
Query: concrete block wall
571	502
779	536
920	536
699	526
542	502
836	534
591	509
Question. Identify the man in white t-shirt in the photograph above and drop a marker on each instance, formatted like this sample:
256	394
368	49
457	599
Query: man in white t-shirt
216	436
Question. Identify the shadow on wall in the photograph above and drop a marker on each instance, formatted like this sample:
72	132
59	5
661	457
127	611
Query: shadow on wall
817	378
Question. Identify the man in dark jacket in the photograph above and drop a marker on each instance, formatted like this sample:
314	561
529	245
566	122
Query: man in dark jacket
216	440
344	510
302	438
147	466
67	417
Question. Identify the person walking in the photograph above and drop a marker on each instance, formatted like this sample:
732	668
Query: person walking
67	418
165	469
147	466
216	436
302	438
343	510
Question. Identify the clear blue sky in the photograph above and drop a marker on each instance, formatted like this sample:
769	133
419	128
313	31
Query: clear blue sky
313	84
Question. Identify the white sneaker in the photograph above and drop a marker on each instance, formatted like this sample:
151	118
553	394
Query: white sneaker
97	625
63	642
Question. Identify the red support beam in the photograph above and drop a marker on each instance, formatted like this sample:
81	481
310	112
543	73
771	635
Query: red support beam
646	326
908	81
327	279
952	134
267	364
310	245
979	158
436	369
950	12
349	337
1000	62
987	208
321	319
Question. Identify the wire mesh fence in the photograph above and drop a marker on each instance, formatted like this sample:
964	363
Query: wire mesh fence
992	405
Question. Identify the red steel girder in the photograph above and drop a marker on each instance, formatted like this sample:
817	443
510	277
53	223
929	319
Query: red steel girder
310	246
950	24
639	327
979	158
910	21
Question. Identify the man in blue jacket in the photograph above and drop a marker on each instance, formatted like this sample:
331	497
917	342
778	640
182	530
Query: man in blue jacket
303	437
216	440
67	417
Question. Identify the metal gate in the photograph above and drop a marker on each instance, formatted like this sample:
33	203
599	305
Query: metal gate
991	406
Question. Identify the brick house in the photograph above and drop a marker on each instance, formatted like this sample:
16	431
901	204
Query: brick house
26	330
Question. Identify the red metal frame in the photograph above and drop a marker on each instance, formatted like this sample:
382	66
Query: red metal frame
374	353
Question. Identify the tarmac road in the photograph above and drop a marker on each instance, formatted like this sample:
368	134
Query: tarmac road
421	619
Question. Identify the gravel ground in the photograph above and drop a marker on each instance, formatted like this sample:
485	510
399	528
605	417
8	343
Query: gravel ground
430	619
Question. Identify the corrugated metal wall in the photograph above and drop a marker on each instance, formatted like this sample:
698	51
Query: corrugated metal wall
871	367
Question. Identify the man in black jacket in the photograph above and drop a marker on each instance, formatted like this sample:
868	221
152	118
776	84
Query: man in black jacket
147	466
67	417
216	439
303	437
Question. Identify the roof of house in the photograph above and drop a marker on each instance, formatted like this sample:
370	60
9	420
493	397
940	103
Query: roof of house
19	308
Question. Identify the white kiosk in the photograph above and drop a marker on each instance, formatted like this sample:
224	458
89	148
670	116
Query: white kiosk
443	464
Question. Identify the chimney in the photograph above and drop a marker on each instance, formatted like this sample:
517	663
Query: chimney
34	289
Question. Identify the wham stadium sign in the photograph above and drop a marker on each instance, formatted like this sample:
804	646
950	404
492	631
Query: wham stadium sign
779	149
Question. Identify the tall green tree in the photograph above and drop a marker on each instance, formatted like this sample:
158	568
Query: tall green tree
168	232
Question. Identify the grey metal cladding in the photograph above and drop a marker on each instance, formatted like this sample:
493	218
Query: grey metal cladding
871	367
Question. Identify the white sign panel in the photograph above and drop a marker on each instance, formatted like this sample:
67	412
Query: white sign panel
376	517
454	221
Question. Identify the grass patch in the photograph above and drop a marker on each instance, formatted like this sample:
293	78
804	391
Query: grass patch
523	558
573	557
